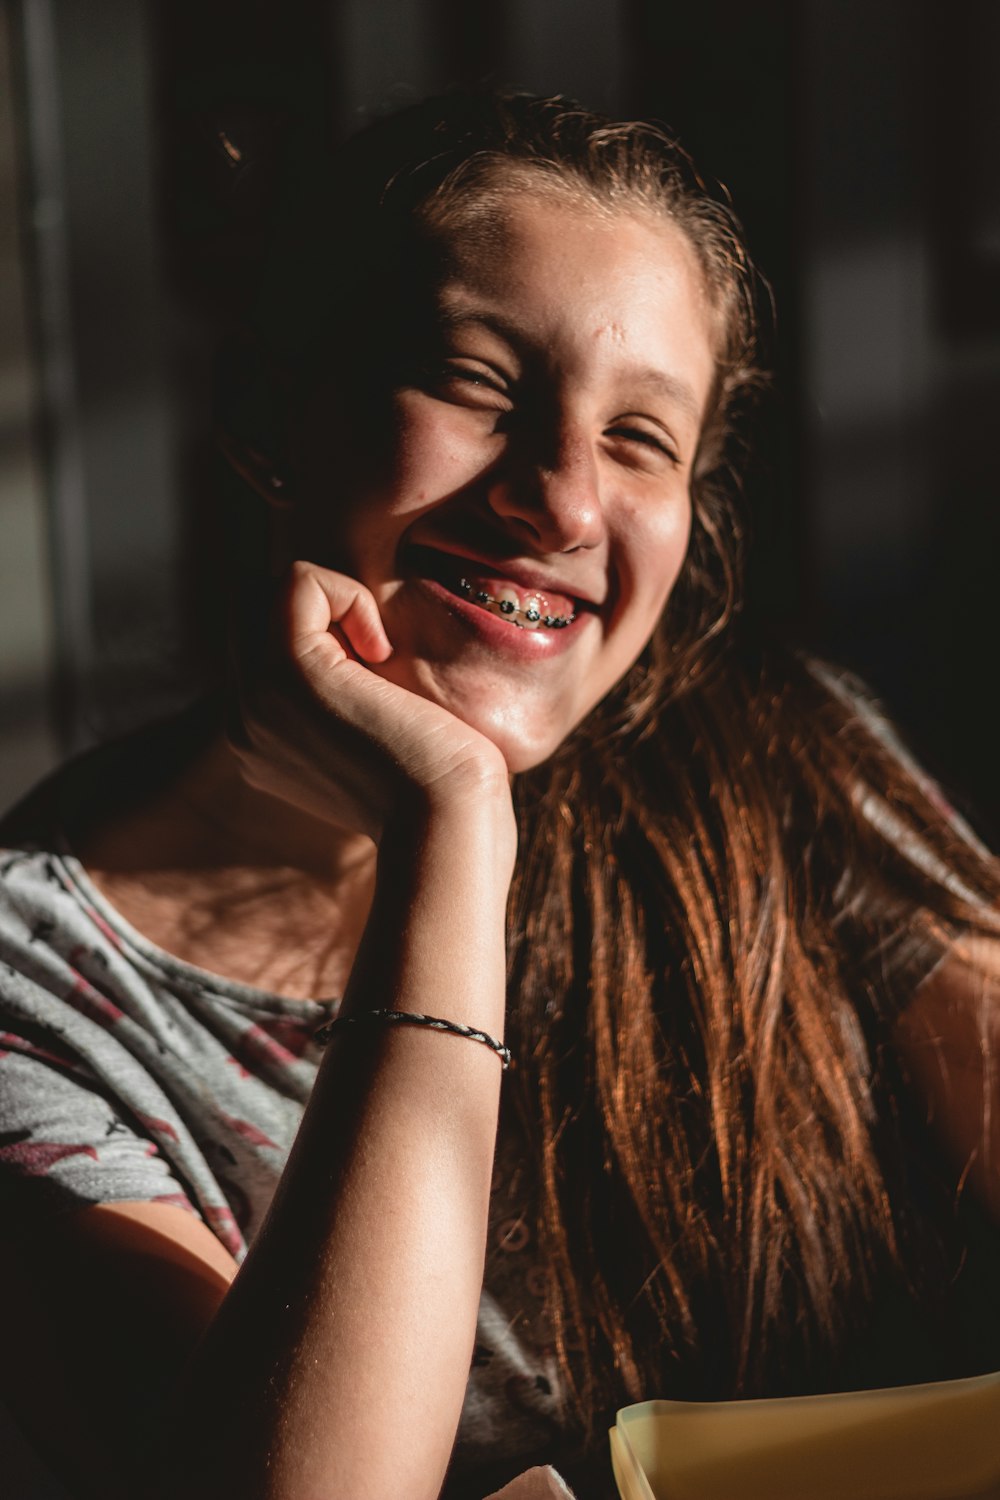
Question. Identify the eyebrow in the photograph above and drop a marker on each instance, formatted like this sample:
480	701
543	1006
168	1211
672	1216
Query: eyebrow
453	317
673	388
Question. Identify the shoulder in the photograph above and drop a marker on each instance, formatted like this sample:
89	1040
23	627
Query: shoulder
893	873
895	800
51	933
50	913
109	778
948	1038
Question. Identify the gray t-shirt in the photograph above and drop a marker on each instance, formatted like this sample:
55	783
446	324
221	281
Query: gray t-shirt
127	1075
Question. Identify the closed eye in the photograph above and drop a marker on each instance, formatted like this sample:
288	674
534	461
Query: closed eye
466	381
643	437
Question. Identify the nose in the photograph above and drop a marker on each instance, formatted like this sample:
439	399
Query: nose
553	497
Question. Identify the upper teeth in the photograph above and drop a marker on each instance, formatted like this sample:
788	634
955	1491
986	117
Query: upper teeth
528	610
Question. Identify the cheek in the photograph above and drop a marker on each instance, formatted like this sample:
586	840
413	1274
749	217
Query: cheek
361	492
658	543
434	451
675	534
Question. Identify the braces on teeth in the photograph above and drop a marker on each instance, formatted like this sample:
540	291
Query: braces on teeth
532	617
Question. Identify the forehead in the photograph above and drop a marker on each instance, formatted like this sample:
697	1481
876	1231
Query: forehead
625	285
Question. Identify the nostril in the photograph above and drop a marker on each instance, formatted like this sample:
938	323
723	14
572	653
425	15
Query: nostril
559	507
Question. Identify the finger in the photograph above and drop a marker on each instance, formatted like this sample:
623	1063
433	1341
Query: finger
318	598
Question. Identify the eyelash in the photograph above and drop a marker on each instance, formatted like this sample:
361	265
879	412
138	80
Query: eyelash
645	439
480	379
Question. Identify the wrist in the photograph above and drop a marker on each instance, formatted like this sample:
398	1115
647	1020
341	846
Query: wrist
441	888
471	815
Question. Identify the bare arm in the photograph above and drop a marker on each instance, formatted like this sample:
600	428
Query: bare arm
949	1039
359	1298
334	1366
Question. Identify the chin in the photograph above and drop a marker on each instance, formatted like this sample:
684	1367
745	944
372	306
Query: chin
520	757
526	725
523	746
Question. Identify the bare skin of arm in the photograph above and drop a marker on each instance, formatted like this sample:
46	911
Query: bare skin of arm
335	1363
359	1296
101	1314
949	1039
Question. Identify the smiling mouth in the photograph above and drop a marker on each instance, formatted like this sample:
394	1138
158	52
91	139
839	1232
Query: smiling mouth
525	606
526	613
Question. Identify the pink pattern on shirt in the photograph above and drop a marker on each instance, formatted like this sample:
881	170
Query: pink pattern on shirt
249	1132
36	1157
221	1220
103	927
91	1003
11	1042
157	1127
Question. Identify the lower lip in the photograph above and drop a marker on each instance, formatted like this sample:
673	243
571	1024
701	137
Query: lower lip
501	635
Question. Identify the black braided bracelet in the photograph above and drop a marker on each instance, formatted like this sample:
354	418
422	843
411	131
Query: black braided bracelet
412	1018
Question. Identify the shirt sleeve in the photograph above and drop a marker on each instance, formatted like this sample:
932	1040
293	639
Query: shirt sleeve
64	1143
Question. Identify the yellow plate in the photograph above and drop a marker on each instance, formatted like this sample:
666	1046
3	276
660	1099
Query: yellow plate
917	1442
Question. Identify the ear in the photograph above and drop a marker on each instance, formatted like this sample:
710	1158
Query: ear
259	470
253	405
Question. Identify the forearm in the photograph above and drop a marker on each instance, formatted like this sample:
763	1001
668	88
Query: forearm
337	1364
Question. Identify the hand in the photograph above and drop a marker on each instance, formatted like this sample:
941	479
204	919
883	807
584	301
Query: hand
318	728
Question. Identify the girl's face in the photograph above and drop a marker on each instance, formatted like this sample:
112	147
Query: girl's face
534	466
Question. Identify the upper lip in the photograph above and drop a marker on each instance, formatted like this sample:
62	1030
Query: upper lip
521	574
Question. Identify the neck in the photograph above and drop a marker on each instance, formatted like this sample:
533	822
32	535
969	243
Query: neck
224	821
235	881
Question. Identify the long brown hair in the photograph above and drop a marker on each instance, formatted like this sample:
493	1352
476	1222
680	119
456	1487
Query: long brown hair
728	876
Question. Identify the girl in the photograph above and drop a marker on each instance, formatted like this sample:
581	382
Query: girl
501	772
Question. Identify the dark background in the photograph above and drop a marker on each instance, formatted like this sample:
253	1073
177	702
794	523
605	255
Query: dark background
860	142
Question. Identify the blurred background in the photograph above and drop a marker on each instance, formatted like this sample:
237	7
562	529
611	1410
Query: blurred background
860	140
